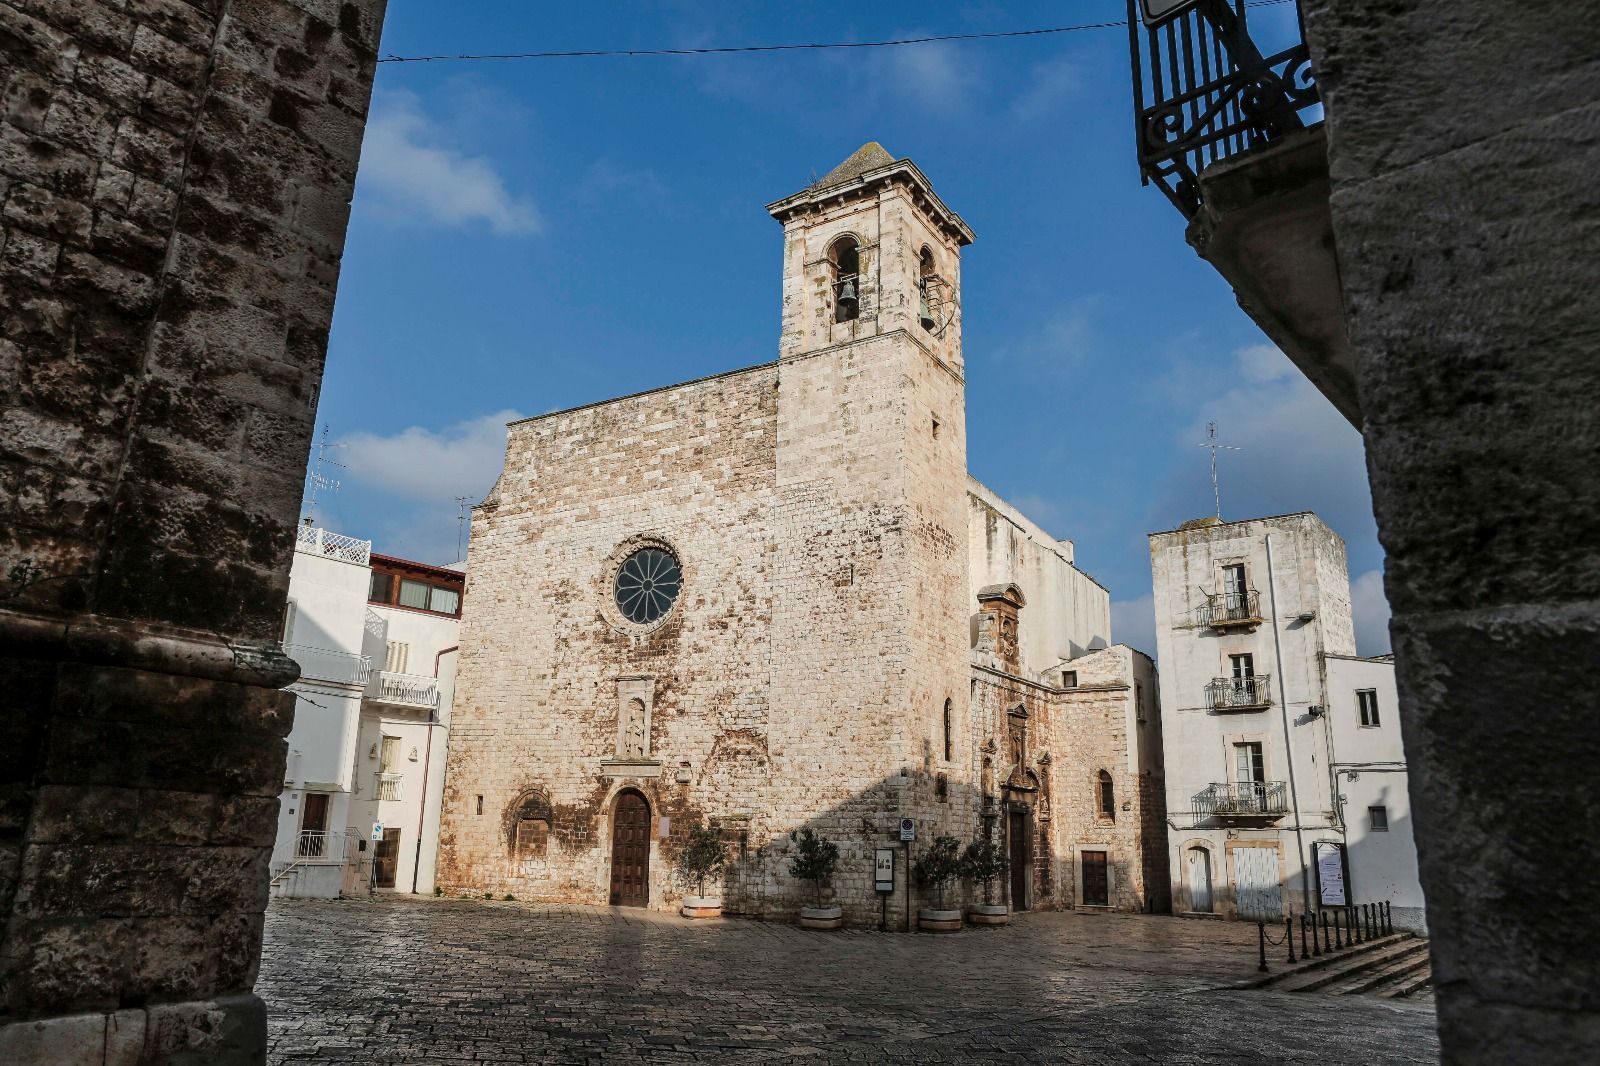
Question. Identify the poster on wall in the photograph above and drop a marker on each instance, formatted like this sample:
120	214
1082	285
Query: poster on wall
1330	875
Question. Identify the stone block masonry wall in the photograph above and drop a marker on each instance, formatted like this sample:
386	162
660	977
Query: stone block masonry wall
174	186
1462	140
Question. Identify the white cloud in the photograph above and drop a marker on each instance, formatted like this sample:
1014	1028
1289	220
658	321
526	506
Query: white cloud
423	464
413	174
1049	87
1371	609
936	75
1133	622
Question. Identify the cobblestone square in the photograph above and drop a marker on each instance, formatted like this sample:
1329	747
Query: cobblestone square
403	981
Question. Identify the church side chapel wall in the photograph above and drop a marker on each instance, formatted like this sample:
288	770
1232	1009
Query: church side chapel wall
549	671
1071	737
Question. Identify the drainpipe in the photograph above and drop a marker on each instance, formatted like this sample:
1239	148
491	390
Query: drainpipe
427	754
1288	743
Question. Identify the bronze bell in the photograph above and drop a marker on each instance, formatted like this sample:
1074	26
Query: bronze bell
847	290
923	311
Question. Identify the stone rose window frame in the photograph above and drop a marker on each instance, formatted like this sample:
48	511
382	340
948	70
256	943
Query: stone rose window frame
618	558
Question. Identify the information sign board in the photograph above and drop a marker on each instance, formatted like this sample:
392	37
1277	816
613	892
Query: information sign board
1330	875
908	830
377	832
883	870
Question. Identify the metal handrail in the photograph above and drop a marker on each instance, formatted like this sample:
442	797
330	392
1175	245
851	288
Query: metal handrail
1221	608
329	664
1237	693
1241	799
409	690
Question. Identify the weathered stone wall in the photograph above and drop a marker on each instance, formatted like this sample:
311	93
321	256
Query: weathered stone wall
1071	735
174	187
1463	139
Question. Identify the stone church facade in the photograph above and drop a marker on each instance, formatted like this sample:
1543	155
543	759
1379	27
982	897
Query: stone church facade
774	599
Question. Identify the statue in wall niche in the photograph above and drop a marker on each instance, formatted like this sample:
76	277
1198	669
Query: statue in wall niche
633	738
1008	639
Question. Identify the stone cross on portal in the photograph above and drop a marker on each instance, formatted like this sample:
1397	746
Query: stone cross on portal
1211	442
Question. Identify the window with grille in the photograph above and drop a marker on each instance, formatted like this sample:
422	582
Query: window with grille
397	657
1108	797
1367	701
949	730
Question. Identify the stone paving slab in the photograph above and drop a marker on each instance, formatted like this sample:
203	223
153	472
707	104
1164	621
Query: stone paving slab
400	980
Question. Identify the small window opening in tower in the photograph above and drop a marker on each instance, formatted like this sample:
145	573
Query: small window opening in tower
927	281
846	257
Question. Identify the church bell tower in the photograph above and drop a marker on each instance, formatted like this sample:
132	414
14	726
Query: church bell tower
871	619
869	250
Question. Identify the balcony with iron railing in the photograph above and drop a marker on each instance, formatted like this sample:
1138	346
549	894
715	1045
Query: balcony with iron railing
328	665
1227	610
1239	693
404	690
1228	125
1242	800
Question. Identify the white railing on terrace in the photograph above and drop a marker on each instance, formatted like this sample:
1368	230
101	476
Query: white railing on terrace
330	545
389	787
325	664
405	690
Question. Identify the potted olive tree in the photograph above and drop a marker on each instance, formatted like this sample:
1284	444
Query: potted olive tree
702	858
934	870
983	861
814	861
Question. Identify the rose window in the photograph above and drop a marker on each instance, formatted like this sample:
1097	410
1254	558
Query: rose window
647	585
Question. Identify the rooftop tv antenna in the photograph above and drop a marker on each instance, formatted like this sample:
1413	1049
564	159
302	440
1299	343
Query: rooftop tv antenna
1215	446
461	523
319	481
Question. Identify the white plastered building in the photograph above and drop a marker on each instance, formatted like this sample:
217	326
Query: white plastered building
1279	740
375	637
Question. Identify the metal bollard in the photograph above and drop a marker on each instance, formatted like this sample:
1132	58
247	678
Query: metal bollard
1326	943
1288	935
1304	954
1367	910
1338	931
1261	938
1316	945
1388	917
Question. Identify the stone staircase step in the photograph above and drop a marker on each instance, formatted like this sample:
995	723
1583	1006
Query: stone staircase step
1335	955
1399	966
1361	959
1414	984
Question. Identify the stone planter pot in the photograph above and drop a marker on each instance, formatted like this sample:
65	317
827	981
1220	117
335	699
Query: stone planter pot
932	920
988	914
821	917
701	907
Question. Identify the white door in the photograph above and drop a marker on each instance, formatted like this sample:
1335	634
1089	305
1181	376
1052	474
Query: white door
1200	880
1256	884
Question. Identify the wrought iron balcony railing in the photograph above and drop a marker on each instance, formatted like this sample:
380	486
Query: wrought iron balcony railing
1230	609
1203	92
325	664
1239	693
1245	799
331	545
404	690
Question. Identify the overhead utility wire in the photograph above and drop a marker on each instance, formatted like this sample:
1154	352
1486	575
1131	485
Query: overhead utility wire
802	47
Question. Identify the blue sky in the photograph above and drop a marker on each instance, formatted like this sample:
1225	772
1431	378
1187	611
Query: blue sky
527	236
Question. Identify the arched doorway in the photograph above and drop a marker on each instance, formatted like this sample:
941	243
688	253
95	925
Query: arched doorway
630	850
1198	875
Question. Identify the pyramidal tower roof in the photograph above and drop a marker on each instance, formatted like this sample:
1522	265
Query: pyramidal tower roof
867	171
869	156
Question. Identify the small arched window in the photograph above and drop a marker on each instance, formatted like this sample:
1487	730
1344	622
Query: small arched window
926	282
1108	798
845	254
949	730
533	825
